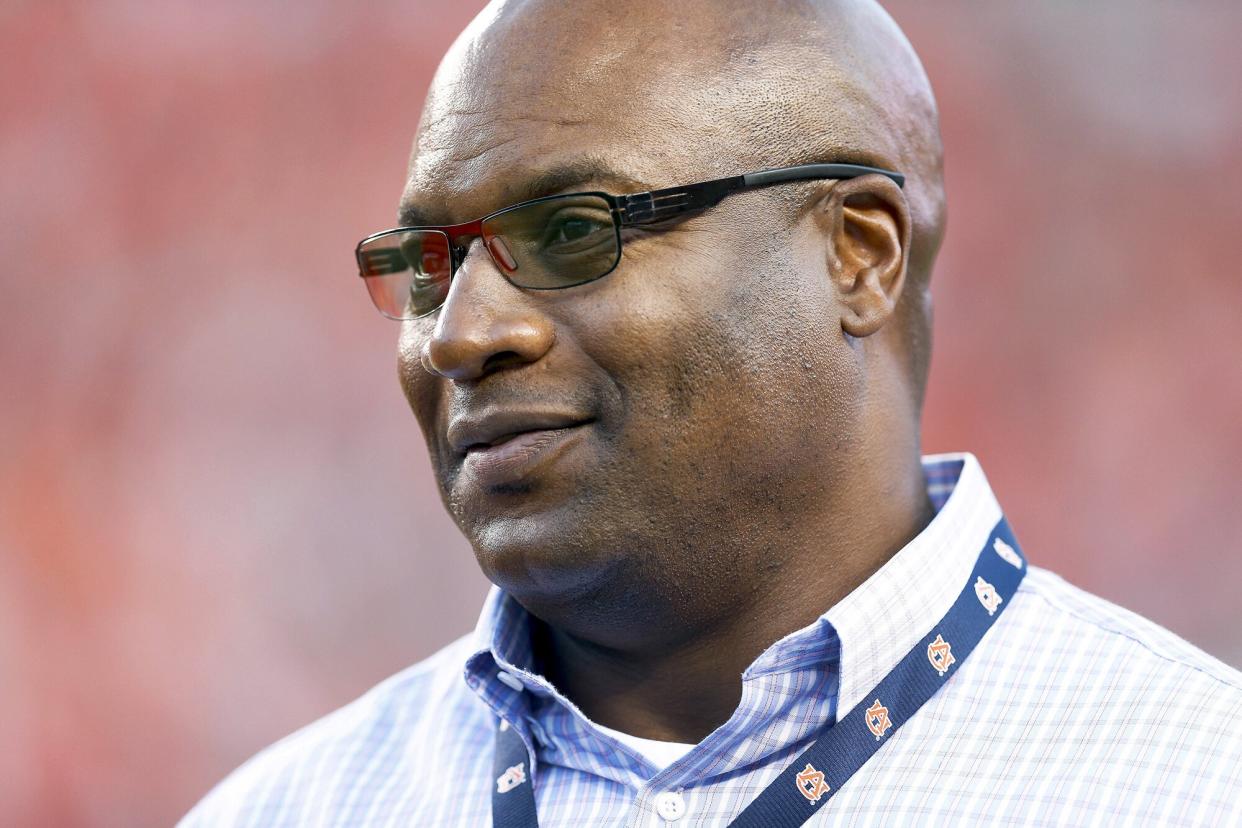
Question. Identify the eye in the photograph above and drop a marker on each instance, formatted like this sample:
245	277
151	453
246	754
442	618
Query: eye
424	280
576	230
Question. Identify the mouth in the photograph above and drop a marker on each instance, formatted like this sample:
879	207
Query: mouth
504	450
516	456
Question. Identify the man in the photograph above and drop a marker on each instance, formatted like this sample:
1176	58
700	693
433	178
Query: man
674	405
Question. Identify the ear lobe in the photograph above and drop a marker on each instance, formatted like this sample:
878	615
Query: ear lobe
870	247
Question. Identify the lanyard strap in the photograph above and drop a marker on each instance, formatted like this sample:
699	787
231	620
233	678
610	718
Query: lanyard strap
815	776
513	796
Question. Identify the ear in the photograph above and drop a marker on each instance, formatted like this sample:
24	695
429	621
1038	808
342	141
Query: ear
868	225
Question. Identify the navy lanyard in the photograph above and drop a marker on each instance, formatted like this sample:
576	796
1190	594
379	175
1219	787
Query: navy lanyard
811	780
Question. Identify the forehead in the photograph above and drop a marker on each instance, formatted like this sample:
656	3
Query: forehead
497	137
521	95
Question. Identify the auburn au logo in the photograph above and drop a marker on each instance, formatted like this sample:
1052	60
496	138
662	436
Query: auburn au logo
987	595
940	654
877	719
1007	553
811	783
511	778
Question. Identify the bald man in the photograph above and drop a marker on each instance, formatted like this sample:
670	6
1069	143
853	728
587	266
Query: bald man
662	288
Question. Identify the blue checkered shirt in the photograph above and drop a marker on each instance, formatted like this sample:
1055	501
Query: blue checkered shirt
1071	711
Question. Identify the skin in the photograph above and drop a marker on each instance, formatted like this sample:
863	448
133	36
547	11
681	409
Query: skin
751	377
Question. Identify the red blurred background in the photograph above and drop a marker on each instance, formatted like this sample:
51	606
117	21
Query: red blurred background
216	517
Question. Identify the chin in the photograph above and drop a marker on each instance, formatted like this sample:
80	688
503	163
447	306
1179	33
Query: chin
543	558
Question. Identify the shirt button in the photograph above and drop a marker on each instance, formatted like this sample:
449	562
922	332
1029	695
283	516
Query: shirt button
671	806
511	680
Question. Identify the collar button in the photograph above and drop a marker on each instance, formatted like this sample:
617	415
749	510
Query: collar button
510	680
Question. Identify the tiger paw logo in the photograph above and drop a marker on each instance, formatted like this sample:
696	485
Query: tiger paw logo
1007	553
877	719
988	596
511	778
940	654
811	783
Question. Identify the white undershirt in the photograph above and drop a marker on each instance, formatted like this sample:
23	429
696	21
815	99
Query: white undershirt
660	754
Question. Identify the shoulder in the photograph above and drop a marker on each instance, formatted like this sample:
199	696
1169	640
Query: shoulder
1105	633
1100	711
326	766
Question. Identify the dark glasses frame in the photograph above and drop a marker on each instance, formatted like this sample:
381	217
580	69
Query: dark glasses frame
636	209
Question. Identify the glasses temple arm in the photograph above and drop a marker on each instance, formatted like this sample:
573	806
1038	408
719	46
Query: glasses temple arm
661	205
805	171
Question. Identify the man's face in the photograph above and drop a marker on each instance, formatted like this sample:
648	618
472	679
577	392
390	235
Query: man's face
625	433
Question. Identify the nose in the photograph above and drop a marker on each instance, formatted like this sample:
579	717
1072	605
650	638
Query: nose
485	325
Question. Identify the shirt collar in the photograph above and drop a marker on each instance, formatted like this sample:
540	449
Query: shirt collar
869	630
891	611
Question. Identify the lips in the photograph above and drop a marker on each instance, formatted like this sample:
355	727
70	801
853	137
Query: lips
495	427
506	446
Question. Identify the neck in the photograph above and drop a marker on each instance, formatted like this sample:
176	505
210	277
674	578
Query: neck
680	681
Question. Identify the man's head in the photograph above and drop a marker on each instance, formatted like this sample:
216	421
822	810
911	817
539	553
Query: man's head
742	374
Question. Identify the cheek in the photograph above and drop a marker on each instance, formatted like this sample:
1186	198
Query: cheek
717	353
422	390
409	350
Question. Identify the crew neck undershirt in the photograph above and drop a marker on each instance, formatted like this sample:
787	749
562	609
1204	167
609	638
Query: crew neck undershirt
660	754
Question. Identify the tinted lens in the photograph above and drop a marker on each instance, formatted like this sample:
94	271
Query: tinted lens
407	273
555	243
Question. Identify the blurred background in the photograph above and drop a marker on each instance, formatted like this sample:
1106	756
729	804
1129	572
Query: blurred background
217	521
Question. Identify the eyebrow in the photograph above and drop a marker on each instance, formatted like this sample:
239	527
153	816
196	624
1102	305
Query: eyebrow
557	179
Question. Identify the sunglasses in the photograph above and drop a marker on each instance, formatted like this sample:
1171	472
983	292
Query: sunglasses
547	243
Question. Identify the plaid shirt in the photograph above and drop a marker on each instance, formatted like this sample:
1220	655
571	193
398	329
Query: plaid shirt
1071	711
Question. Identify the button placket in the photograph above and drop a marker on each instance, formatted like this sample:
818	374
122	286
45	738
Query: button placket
541	735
